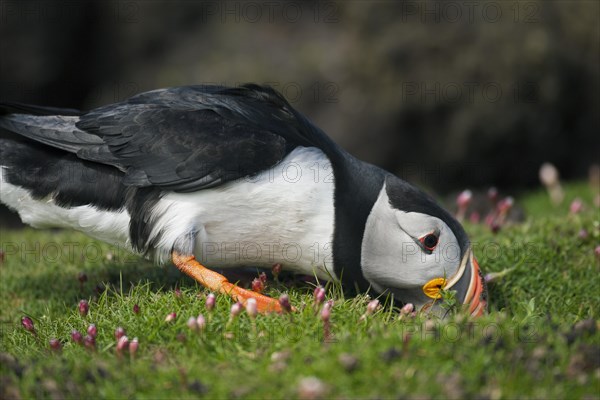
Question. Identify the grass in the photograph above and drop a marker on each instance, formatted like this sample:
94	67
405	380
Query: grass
540	340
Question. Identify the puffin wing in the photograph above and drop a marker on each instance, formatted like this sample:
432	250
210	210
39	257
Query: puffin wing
182	139
178	149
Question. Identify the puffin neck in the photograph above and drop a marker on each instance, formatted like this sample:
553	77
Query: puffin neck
357	185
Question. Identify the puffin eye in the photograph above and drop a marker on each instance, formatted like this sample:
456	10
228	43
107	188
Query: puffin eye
429	241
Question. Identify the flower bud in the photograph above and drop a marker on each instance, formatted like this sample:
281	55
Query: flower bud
311	388
505	204
326	312
136	309
576	206
89	342
191	323
122	344
407	309
257	285
133	347
84	307
319	295
119	333
549	177
201	322
92	330
464	198
548	174
284	301
170	317
251	308
55	344
276	270
263	277
28	324
76	336
372	306
210	302
462	201
236	309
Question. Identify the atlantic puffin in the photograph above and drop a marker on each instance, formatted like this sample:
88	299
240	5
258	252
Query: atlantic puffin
230	177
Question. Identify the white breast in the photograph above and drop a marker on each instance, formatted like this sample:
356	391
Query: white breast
282	215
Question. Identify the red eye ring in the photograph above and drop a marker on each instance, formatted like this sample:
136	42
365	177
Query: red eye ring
429	241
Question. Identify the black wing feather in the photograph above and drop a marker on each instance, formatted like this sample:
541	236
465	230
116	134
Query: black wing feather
181	139
56	131
182	150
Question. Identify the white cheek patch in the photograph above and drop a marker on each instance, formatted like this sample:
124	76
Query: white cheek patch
391	255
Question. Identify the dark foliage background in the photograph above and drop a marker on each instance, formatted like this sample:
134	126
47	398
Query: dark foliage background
445	94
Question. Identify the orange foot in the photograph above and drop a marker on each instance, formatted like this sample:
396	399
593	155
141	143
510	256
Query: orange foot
218	283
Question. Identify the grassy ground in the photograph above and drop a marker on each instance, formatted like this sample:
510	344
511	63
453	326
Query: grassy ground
541	339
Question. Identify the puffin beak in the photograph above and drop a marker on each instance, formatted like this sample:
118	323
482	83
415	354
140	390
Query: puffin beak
476	295
469	285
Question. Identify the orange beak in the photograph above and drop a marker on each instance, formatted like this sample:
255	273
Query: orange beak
467	282
475	293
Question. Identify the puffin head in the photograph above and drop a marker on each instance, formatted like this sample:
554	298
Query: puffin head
415	250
